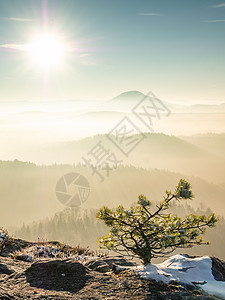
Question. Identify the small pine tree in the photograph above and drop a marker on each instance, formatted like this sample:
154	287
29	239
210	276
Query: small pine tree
145	234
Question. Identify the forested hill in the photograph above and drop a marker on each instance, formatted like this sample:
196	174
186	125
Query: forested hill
76	226
27	191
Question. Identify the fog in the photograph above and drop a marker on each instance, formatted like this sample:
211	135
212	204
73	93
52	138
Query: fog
29	130
41	142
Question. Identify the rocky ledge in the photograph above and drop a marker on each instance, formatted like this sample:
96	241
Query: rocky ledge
92	278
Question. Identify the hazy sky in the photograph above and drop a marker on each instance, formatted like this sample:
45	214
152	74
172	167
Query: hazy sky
175	48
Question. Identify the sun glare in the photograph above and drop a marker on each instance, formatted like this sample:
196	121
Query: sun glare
47	51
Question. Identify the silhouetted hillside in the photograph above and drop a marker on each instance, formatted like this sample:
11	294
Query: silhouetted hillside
27	191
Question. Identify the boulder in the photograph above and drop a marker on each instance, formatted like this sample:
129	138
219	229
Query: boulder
57	274
107	264
218	269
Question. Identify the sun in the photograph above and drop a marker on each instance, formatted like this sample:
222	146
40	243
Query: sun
47	51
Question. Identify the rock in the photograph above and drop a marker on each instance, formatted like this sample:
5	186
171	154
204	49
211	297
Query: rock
48	274
99	266
199	282
107	264
23	257
5	270
14	245
218	269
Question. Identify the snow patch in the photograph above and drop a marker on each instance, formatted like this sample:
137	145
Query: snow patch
34	253
3	236
184	269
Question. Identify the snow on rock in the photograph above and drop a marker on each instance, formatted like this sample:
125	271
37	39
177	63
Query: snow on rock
37	252
46	251
3	236
187	270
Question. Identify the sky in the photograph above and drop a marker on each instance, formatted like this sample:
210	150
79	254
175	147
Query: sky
174	48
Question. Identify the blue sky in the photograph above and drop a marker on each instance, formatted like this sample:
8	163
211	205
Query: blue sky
174	48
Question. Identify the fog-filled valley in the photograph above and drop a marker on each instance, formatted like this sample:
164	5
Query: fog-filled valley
40	143
38	131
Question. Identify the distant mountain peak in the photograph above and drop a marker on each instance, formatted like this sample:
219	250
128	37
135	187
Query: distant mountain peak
129	95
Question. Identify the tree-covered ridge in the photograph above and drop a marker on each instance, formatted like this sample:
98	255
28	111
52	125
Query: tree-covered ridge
80	226
27	191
